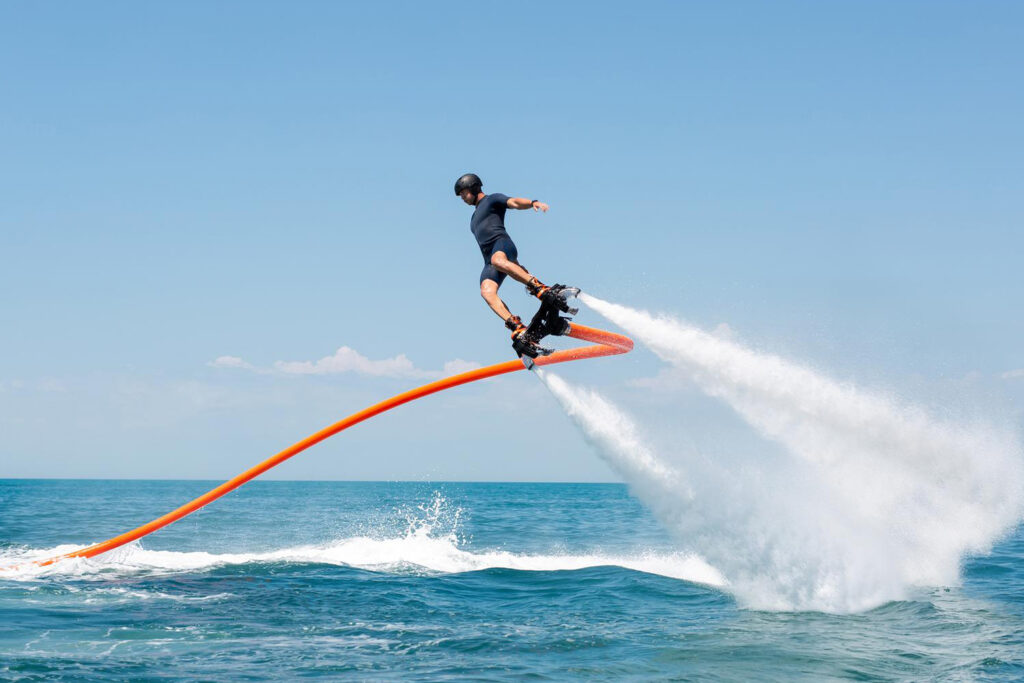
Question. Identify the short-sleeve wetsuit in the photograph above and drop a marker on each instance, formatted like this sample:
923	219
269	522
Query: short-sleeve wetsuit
488	226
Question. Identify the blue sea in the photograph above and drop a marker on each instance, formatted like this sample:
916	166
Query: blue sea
442	581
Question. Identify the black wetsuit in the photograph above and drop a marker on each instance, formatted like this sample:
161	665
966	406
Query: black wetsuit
488	226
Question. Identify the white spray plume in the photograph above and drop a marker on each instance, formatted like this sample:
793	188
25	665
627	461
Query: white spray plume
615	435
878	497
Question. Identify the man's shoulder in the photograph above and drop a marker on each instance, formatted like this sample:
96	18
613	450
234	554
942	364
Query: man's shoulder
496	198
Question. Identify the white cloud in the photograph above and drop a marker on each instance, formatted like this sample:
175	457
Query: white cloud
347	359
457	366
230	362
45	385
49	384
1013	374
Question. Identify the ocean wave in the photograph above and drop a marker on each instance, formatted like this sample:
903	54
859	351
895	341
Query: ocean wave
413	553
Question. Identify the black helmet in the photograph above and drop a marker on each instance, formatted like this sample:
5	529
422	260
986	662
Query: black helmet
470	181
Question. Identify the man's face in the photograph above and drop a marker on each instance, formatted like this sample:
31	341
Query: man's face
468	196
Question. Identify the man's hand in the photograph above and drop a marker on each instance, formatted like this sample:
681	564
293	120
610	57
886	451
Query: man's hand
523	204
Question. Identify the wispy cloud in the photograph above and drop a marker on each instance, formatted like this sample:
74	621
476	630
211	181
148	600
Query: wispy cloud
230	362
11	385
345	360
44	385
1013	374
454	367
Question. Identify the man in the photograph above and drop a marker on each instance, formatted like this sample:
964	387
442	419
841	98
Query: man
500	255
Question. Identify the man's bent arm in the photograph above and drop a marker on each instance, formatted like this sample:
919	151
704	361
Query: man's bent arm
522	204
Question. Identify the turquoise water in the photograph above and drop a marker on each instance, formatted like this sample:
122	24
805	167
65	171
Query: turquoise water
434	581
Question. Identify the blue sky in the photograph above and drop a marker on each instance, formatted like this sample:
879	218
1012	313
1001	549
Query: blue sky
837	182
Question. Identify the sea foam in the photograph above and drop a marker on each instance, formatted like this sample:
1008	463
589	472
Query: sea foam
415	554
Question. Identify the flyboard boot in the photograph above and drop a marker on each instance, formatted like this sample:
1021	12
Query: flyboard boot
556	296
546	321
525	346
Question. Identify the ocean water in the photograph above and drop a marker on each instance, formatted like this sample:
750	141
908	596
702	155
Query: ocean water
443	581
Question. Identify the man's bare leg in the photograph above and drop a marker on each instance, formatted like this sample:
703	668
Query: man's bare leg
489	291
502	262
534	286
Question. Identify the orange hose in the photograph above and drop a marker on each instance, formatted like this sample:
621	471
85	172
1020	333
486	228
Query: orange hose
606	344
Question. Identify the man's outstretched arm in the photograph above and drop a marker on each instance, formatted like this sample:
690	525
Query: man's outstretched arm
522	204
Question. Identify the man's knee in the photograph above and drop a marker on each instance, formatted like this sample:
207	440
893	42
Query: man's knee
499	260
488	289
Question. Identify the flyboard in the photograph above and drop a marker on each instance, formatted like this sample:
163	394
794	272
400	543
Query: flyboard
547	321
